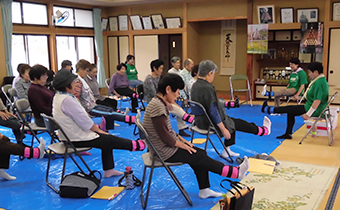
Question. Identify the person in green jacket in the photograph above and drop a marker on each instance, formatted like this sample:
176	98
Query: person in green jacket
316	95
296	85
132	72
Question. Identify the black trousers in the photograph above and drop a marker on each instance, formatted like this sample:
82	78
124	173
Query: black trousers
7	148
128	92
200	162
291	111
110	102
13	123
106	143
241	125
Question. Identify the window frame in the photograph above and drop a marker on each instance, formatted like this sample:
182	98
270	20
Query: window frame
22	14
26	47
76	46
74	17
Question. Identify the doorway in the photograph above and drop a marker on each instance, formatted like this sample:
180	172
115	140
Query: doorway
170	45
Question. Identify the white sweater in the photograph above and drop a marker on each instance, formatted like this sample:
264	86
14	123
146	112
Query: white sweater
72	130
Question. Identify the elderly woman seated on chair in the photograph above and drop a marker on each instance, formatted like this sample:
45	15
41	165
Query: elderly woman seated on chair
7	148
173	148
22	85
316	96
204	93
79	127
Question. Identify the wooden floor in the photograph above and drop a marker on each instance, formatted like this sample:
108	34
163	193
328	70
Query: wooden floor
312	150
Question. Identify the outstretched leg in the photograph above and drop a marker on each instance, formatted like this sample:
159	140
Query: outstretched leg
291	111
201	163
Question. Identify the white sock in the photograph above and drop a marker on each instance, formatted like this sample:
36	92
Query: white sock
5	175
41	148
243	168
267	123
233	154
208	193
264	90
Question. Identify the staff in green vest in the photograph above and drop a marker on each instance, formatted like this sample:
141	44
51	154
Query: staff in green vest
132	72
316	95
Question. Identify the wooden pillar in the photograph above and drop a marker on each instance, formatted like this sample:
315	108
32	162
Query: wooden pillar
185	32
250	56
326	40
52	40
131	42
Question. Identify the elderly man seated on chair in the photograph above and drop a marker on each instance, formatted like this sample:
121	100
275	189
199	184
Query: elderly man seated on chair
316	96
204	93
173	148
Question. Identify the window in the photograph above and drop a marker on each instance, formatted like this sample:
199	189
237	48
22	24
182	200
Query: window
83	18
16	12
74	48
31	49
34	13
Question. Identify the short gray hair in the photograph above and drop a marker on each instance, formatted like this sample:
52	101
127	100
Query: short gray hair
186	62
175	59
205	67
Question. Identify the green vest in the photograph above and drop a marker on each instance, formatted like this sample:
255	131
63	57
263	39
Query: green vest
318	91
297	79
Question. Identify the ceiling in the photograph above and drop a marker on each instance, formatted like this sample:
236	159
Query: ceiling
118	2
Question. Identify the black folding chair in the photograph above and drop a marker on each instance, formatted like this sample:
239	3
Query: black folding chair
325	115
153	162
65	148
9	100
197	109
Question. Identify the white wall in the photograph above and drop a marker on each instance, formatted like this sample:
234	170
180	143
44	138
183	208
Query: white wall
146	50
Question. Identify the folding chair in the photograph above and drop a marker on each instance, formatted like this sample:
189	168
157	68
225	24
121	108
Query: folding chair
9	99
122	99
325	115
140	92
198	109
153	162
65	148
236	77
21	106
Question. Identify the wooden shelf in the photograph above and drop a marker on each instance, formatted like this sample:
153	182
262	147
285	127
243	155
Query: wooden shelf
332	24
218	18
284	26
144	32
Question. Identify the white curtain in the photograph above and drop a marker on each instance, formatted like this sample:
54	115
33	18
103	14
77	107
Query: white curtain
7	27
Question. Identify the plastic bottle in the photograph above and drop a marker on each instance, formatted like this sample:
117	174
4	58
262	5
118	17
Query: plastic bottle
129	178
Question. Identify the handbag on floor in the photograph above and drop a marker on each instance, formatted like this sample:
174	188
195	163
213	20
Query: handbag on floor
242	196
79	185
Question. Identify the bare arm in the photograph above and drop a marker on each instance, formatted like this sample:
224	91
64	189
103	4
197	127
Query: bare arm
97	130
315	105
299	91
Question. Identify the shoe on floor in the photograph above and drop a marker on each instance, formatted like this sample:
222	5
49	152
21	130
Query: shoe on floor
285	136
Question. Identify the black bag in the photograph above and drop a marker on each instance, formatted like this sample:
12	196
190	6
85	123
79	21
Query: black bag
241	199
79	185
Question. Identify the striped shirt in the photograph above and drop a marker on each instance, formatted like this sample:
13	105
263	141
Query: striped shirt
156	108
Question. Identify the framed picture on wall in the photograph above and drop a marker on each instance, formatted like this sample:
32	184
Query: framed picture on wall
147	22
174	22
113	23
105	21
287	15
336	11
307	15
266	14
123	22
136	22
157	20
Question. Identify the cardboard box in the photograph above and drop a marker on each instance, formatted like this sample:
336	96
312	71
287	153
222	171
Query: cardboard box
321	125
